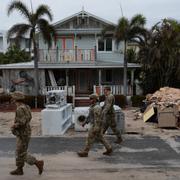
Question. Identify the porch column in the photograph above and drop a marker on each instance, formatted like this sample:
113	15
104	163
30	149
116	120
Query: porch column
100	73
95	48
75	46
67	77
132	80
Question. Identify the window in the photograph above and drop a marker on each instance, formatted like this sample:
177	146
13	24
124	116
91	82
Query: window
105	44
27	43
108	44
101	45
108	75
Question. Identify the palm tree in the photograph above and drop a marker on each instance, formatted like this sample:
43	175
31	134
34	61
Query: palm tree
127	31
35	23
159	55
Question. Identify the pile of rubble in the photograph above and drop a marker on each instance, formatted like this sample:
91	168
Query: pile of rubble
161	107
165	97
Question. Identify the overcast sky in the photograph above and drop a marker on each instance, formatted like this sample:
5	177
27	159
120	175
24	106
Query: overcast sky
153	10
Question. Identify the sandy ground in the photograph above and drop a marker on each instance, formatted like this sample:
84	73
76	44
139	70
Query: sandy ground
68	166
133	126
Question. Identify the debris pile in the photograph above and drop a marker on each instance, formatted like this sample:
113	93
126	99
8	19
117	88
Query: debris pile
165	97
163	107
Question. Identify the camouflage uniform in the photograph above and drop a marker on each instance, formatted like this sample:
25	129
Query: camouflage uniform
22	130
108	115
96	130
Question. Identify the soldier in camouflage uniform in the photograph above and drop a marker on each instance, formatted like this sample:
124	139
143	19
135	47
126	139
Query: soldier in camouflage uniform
108	114
22	130
96	130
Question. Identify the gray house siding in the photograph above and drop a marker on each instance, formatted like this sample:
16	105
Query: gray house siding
85	42
110	56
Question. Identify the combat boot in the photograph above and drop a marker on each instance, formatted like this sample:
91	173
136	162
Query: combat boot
119	140
18	171
108	152
40	165
83	153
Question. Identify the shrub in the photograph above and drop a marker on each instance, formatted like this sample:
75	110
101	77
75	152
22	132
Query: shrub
4	98
137	100
120	100
29	100
69	99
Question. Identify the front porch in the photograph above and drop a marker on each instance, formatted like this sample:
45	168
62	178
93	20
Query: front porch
84	81
83	99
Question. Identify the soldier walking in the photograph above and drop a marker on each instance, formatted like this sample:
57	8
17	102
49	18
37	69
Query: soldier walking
22	130
108	114
96	130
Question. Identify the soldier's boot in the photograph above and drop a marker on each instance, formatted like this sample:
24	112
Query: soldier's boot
119	140
40	166
108	152
18	171
83	153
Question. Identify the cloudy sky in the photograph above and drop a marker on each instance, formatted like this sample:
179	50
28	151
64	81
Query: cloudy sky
153	10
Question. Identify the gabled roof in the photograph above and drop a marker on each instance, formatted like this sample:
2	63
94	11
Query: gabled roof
88	14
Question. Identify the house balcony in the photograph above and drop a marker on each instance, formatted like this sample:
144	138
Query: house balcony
67	55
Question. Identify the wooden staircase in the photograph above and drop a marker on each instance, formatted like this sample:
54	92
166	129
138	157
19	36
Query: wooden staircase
82	101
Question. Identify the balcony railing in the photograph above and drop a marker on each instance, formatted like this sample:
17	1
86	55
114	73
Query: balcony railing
115	89
66	55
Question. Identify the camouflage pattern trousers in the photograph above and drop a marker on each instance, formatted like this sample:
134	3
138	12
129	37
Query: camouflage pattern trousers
96	136
21	152
109	121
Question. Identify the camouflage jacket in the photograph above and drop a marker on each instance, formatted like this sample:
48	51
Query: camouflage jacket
22	121
108	105
95	116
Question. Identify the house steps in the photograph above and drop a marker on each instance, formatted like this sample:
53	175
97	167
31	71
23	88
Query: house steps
82	101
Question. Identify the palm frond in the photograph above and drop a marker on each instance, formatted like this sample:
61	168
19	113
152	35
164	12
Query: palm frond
20	7
122	29
108	29
43	10
138	20
47	30
16	29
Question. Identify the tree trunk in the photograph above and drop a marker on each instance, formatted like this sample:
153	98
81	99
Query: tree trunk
125	70
36	72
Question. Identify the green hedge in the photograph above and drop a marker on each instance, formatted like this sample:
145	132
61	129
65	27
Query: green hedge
4	98
69	99
120	100
137	100
30	100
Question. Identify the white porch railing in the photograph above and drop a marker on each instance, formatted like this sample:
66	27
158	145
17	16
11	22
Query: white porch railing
115	89
66	55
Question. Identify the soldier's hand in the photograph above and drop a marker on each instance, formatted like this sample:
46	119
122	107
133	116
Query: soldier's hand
83	124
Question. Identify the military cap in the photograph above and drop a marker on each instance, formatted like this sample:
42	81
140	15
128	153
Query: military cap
107	88
93	96
17	95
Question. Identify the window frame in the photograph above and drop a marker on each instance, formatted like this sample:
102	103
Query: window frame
105	45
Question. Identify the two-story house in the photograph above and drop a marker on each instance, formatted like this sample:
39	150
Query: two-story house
79	59
4	44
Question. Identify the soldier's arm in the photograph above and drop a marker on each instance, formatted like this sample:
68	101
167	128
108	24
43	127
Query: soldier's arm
97	118
20	119
110	100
